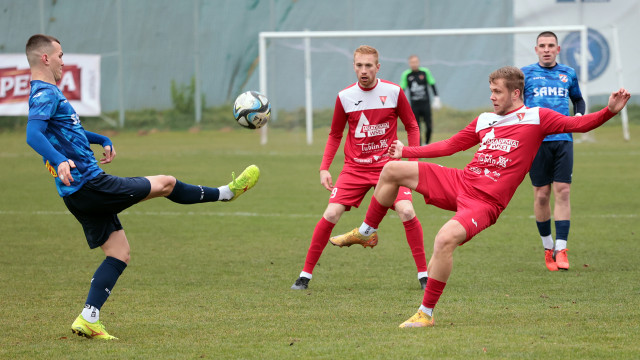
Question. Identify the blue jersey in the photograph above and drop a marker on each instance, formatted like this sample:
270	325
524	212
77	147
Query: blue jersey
551	88
65	134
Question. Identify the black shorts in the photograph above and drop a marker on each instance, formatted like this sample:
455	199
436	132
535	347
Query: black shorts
421	109
97	204
553	163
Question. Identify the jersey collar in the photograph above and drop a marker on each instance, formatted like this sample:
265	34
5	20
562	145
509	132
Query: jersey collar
368	89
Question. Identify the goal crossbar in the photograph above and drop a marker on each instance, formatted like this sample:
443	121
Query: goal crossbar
308	35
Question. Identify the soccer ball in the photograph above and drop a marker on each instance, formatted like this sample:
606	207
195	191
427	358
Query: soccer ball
252	110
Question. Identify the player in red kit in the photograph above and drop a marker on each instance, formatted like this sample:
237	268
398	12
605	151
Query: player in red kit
509	139
371	108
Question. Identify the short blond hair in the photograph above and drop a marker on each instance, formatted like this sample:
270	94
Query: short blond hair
513	78
366	50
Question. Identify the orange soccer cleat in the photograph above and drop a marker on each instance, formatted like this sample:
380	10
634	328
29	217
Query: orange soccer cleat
561	259
549	261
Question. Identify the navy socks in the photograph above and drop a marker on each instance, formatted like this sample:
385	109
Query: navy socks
192	194
562	229
104	280
544	227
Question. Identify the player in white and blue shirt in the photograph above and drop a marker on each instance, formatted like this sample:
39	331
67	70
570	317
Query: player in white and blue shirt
552	85
95	198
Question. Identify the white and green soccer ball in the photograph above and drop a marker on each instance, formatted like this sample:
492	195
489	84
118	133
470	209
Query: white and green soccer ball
252	110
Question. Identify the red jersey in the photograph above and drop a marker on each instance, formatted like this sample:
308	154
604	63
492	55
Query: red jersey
372	115
508	145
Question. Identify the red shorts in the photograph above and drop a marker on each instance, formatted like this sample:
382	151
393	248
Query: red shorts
445	188
351	187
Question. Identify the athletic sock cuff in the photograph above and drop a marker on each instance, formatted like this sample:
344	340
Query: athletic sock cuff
375	213
117	264
562	229
432	292
544	227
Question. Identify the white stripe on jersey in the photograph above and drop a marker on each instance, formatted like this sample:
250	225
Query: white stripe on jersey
518	117
384	95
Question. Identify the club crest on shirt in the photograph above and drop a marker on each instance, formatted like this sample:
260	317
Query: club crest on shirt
383	99
520	115
563	78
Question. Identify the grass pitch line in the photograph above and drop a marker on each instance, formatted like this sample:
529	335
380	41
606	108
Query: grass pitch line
281	215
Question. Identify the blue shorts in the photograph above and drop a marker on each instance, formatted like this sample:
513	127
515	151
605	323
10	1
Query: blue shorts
553	163
97	204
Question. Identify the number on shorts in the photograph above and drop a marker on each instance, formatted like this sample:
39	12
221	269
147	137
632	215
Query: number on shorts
334	192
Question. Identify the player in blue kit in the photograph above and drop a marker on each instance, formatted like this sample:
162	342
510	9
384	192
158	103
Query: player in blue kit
551	85
92	196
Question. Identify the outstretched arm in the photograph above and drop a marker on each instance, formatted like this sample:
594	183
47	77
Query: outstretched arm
555	123
461	141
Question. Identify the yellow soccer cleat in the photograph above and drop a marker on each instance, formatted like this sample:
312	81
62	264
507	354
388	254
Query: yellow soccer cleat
96	330
244	182
420	319
354	237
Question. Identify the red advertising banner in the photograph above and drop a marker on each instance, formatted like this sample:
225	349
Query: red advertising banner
80	84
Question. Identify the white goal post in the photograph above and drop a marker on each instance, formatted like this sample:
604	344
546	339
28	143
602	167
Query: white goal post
307	35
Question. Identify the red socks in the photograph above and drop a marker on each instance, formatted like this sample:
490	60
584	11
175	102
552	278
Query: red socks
319	240
413	229
432	292
375	213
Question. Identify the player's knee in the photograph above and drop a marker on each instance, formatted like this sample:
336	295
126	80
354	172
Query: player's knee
542	198
562	193
169	183
122	253
125	257
332	216
444	244
406	213
388	171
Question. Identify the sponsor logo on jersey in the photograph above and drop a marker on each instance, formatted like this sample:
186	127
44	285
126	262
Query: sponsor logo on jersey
373	146
488	159
51	170
363	161
550	91
358	103
564	78
505	145
493	175
383	99
490	142
375	130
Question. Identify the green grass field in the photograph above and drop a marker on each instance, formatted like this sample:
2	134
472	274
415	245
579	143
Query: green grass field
212	281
